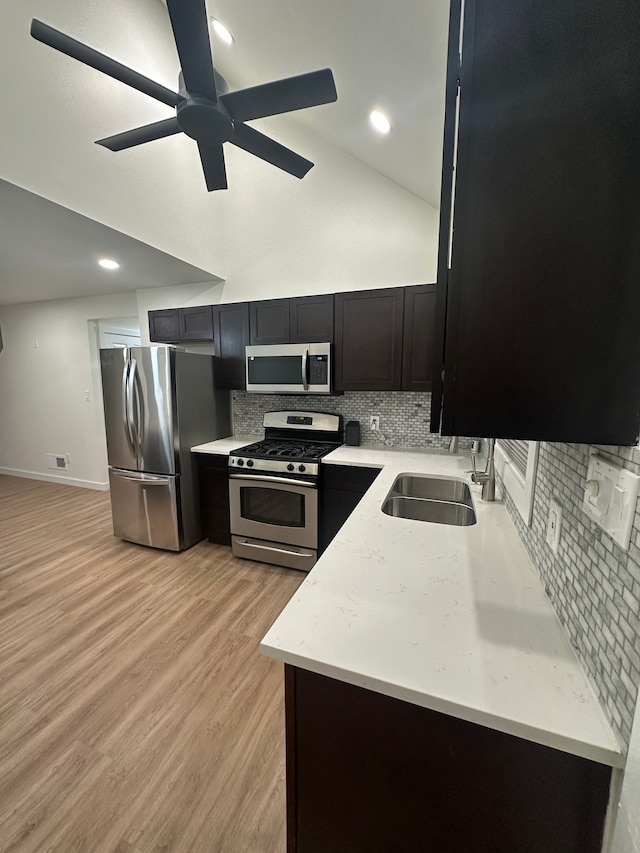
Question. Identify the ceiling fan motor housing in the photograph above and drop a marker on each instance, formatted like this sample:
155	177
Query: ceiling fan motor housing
204	120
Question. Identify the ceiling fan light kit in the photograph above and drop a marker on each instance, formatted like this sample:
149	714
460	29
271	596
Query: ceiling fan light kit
205	109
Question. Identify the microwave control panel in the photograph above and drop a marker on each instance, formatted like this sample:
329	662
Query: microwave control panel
318	369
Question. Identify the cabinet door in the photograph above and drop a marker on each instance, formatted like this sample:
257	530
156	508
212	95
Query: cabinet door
543	305
368	342
311	319
269	321
164	326
214	497
231	336
368	772
196	324
417	337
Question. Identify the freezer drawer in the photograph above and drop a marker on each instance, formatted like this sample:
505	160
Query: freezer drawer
145	509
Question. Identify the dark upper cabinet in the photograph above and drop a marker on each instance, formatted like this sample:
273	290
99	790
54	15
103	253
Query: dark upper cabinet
311	319
269	321
231	336
164	326
417	340
172	325
196	324
542	298
368	340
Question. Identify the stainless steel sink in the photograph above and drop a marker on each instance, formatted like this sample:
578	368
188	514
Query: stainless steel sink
422	498
432	489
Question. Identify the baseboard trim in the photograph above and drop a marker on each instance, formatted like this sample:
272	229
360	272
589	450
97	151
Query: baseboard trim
55	478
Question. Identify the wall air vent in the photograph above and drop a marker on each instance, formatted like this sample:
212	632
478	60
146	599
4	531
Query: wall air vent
58	461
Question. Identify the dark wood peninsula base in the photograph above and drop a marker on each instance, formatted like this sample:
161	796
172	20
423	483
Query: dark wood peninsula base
367	773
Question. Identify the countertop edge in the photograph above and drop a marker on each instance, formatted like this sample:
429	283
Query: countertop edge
544	737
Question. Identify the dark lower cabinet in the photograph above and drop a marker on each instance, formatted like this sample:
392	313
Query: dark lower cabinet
342	487
367	773
231	336
368	340
213	473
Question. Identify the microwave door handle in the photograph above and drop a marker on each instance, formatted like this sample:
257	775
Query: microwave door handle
305	375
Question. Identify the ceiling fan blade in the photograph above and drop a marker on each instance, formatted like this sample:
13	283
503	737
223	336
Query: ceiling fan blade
191	32
139	135
212	159
65	44
268	149
281	96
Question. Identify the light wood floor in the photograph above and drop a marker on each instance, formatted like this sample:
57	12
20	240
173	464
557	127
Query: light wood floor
136	712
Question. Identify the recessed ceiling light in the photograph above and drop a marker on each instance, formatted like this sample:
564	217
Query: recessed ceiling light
108	264
221	31
380	121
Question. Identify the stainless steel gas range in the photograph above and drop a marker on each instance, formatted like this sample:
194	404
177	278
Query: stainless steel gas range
273	488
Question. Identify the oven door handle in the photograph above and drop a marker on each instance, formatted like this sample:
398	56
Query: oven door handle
266	479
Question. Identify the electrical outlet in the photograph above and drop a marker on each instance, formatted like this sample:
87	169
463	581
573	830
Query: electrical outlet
374	422
554	523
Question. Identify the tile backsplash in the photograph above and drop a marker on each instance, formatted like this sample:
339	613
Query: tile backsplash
593	585
404	415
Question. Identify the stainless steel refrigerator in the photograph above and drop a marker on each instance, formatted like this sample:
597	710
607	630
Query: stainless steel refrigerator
158	403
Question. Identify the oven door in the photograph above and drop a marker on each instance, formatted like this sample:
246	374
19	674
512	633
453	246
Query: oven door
277	509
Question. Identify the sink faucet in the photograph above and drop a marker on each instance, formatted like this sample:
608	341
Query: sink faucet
486	478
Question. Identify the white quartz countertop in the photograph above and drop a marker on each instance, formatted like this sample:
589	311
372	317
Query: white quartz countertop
454	619
225	446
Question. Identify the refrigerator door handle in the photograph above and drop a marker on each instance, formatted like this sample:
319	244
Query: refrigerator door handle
133	409
126	422
148	480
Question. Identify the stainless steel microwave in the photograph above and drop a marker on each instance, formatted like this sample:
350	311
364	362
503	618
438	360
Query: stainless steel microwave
289	369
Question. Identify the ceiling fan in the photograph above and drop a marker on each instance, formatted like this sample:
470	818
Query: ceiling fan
205	109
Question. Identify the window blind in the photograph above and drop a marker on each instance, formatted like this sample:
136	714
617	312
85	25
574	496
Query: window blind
517	452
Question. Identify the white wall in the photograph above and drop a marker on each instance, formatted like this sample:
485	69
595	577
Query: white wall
42	388
627	833
59	107
342	227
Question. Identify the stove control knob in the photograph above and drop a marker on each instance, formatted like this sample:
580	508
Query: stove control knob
249	463
290	466
240	461
301	468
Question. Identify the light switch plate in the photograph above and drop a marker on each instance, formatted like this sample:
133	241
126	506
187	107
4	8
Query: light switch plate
610	497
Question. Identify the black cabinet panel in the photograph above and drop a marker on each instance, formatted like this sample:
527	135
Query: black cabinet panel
368	337
311	319
172	325
367	772
196	324
269	321
543	300
164	326
231	336
342	488
418	337
213	472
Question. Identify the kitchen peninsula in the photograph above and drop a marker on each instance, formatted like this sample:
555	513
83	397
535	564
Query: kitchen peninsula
424	664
